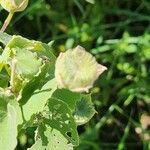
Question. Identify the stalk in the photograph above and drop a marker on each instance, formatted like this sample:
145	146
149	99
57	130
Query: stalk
7	21
13	72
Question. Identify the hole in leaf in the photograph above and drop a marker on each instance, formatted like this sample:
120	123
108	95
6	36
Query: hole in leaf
67	122
68	134
68	115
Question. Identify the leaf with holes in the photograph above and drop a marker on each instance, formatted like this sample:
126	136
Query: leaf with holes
55	141
81	105
69	97
38	100
59	117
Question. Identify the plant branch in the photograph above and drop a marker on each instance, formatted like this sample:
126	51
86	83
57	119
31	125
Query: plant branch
7	21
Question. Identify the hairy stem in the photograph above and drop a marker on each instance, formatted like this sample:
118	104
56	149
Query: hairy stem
7	21
13	72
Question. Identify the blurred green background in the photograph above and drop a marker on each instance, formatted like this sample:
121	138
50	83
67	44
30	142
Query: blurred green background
117	33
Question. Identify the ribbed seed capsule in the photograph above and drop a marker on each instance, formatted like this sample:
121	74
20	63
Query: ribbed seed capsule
14	5
77	70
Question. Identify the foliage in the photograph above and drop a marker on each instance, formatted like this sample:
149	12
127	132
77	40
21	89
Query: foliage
117	33
25	62
27	98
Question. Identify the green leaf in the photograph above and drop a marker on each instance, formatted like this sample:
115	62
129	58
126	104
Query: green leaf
56	141
23	43
15	104
84	110
5	38
59	117
27	63
81	105
29	55
38	100
36	83
35	46
70	98
3	106
6	97
1	63
38	146
4	79
8	130
43	50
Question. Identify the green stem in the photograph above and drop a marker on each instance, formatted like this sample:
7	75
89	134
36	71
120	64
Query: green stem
13	73
7	21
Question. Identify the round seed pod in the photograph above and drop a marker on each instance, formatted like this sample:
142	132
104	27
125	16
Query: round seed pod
77	70
14	5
